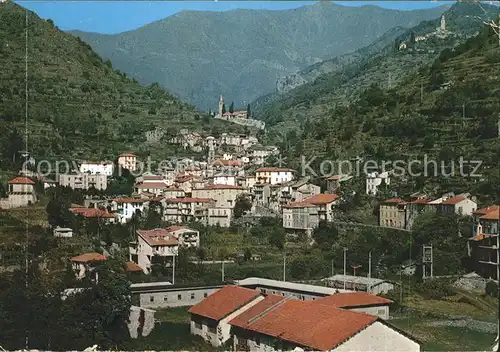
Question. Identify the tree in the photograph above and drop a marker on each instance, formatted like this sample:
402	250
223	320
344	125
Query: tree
242	205
325	234
277	237
58	212
231	107
249	113
247	255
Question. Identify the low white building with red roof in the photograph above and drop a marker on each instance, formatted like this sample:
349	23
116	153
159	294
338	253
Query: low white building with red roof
161	245
126	207
460	204
21	192
260	322
94	213
305	215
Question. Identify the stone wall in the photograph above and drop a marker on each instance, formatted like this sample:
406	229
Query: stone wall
142	321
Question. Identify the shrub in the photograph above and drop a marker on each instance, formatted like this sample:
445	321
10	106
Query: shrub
435	289
492	289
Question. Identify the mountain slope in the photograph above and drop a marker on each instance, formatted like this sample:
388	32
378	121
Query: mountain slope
78	105
241	53
443	110
462	20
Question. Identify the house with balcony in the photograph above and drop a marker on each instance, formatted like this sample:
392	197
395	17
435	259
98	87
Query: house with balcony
21	192
273	175
84	181
186	209
128	161
304	216
159	246
374	180
97	168
484	246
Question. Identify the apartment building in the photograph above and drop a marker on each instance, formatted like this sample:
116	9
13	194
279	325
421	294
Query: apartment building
305	215
392	213
186	209
128	161
484	246
84	181
159	246
225	198
98	168
21	193
273	175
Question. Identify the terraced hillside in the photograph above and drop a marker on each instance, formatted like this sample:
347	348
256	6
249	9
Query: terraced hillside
444	110
78	105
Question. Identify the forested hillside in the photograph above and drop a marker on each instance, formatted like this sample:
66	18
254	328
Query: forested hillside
443	110
78	105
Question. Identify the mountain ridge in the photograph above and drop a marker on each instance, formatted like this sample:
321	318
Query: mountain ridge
199	55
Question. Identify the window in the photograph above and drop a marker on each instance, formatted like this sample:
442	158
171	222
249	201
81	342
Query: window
165	298
179	297
205	295
151	298
212	330
192	295
197	325
257	341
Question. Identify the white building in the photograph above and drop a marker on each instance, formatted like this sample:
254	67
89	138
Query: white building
161	245
84	181
360	283
374	180
461	205
125	208
128	161
224	179
102	168
273	175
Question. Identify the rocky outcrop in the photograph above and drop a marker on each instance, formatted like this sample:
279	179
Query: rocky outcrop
289	82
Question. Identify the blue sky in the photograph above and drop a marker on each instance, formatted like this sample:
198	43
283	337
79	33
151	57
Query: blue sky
119	16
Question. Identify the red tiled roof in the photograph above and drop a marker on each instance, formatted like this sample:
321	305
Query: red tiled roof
131	266
322	198
484	211
309	324
492	215
92	213
274	169
395	201
127	154
222	162
268	302
334	177
353	299
302	204
158	237
88	257
21	180
152	177
151	185
224	301
480	237
453	200
189	200
220	186
421	201
131	200
174	228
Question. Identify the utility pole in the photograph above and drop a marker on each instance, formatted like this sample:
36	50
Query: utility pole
345	262
333	271
369	271
222	270
421	91
401	284
284	266
463	110
173	270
